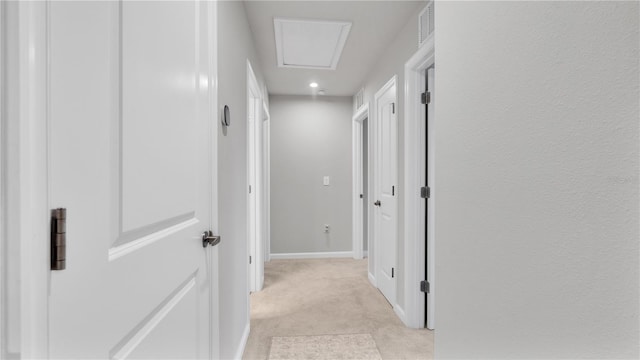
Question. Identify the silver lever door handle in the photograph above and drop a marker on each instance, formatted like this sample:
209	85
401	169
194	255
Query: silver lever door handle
209	239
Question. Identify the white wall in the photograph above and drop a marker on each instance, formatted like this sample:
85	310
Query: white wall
310	139
537	109
235	47
390	64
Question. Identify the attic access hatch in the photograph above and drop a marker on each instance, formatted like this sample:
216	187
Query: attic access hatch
310	44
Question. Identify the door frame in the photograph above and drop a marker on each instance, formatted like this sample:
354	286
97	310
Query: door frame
214	252
26	123
414	177
374	144
3	173
256	272
357	161
266	179
25	120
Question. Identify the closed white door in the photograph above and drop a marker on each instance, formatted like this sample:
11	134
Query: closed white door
386	190
130	158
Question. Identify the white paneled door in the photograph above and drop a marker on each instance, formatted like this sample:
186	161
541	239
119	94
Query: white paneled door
131	120
386	190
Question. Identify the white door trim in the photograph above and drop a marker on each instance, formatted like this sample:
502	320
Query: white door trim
266	183
214	252
358	180
27	125
256	271
414	205
3	173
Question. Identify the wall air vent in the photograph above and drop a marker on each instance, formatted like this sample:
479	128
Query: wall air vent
310	44
359	99
425	24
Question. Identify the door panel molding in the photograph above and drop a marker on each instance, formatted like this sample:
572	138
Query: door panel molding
139	241
125	30
135	337
155	228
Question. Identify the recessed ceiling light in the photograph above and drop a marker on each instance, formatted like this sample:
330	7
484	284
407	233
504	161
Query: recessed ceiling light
314	84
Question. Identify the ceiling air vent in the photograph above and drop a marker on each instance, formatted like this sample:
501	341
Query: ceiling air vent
425	24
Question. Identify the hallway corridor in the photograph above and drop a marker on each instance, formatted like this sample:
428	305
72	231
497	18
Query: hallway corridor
327	297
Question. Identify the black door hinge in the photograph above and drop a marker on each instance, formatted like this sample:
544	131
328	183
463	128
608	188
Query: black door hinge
393	191
424	286
426	97
249	259
425	192
393	108
392	272
58	239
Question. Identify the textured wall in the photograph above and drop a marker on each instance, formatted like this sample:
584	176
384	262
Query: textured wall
235	47
537	109
310	139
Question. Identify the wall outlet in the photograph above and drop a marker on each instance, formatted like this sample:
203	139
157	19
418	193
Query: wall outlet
326	181
326	228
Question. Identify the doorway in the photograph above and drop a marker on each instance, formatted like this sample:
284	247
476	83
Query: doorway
385	192
361	205
365	188
255	185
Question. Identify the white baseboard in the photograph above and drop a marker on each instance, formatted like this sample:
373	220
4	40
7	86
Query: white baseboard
372	279
400	313
313	255
243	343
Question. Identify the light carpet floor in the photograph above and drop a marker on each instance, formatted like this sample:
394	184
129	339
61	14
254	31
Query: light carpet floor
328	297
325	347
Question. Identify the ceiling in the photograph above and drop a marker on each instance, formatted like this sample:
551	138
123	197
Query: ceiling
312	44
374	25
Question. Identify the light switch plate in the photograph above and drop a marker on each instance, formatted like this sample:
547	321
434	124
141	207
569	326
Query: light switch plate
325	181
